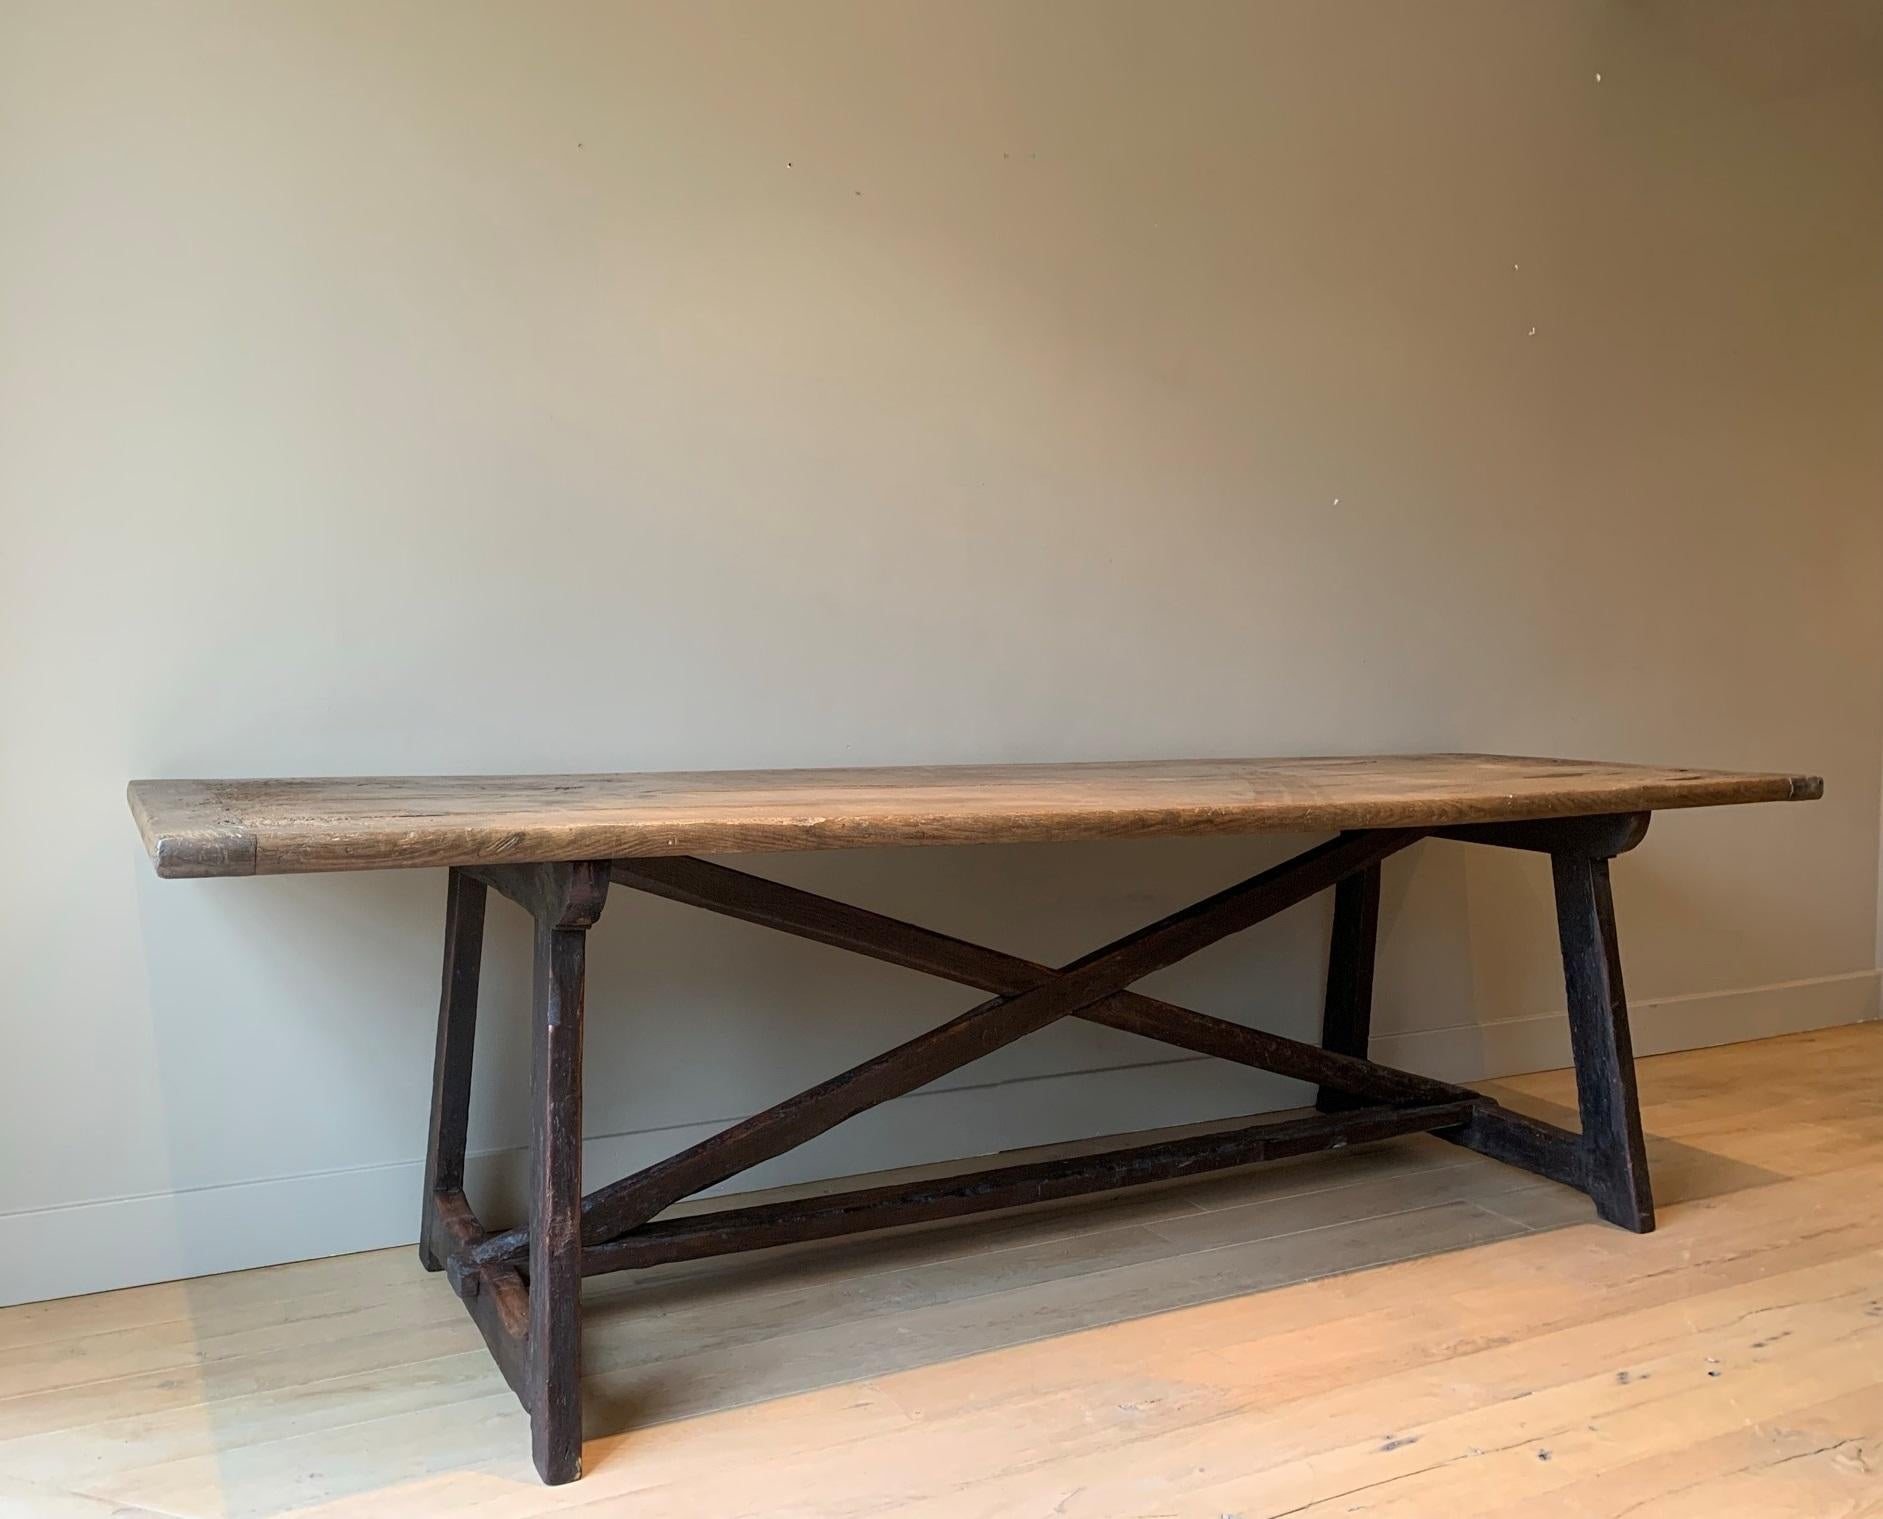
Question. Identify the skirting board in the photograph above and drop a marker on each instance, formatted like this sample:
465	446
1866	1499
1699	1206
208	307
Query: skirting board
1512	1046
166	1236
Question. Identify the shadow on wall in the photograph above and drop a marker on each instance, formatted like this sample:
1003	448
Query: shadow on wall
696	1021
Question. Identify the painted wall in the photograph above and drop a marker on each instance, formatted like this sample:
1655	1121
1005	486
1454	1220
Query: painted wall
447	387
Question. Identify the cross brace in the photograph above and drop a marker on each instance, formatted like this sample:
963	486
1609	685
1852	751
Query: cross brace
521	1284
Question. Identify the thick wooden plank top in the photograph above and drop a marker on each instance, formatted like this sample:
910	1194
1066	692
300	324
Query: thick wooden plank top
277	827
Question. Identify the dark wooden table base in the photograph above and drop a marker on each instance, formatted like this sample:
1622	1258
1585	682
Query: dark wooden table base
522	1285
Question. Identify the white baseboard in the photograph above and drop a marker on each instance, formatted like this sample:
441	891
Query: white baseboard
1695	1021
165	1236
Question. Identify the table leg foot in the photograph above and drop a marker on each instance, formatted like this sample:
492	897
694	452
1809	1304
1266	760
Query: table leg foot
1614	1150
554	1393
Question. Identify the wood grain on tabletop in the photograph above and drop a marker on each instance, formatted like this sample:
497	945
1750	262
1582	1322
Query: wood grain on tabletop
267	827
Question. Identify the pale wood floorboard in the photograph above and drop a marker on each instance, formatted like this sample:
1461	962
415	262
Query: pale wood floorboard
1402	1331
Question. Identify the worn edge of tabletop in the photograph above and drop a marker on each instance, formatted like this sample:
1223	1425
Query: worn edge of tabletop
195	837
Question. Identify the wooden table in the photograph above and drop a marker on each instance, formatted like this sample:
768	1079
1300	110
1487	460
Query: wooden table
553	844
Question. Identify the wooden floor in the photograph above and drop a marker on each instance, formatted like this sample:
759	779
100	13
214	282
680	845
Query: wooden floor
1402	1332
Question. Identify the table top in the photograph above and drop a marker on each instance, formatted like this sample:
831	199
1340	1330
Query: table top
277	827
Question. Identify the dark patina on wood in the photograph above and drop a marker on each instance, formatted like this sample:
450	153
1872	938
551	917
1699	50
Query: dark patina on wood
826	1217
1347	1008
975	1033
522	1284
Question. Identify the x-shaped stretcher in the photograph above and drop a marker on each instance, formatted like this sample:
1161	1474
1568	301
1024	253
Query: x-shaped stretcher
521	1282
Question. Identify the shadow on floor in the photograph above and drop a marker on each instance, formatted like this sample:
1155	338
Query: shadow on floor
663	1346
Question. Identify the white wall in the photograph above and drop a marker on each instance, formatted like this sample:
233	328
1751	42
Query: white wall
444	387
